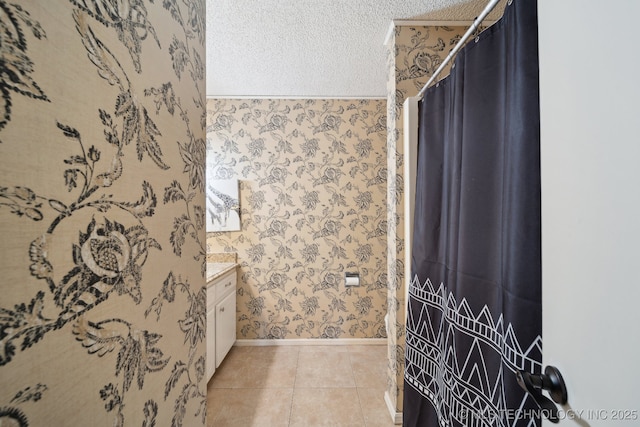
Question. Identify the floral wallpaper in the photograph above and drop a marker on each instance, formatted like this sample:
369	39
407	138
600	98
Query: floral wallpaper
312	206
414	54
102	147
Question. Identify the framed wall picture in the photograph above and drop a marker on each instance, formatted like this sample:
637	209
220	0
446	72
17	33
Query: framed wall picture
223	205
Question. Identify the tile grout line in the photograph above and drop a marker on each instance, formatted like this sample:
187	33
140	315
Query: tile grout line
293	392
364	421
353	374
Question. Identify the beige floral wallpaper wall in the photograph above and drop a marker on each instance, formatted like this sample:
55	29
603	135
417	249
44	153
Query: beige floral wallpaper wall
312	196
102	154
414	54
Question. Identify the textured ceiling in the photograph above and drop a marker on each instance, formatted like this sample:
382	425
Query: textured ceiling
311	48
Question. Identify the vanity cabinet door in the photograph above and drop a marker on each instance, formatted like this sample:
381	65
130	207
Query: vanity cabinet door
211	342
225	326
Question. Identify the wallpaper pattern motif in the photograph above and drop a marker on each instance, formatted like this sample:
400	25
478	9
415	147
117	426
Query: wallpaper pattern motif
101	206
312	198
413	56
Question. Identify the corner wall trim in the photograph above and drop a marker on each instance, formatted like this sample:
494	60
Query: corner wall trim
396	417
312	341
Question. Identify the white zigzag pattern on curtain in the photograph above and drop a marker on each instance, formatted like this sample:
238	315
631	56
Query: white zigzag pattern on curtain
465	394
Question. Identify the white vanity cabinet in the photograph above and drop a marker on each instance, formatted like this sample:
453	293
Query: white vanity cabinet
221	317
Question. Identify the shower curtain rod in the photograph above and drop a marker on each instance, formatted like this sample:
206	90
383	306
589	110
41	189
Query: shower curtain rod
476	23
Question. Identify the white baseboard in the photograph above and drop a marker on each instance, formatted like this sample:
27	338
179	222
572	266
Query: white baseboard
396	417
312	341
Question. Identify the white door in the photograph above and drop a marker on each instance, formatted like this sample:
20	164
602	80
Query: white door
590	141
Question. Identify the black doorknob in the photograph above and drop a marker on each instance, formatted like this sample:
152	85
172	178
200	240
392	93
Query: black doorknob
550	381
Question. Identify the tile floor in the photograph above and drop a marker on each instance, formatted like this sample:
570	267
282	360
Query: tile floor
300	386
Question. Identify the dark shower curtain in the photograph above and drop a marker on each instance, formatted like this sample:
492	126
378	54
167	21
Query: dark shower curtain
474	315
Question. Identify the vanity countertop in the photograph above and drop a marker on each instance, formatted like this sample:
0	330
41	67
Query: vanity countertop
217	269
